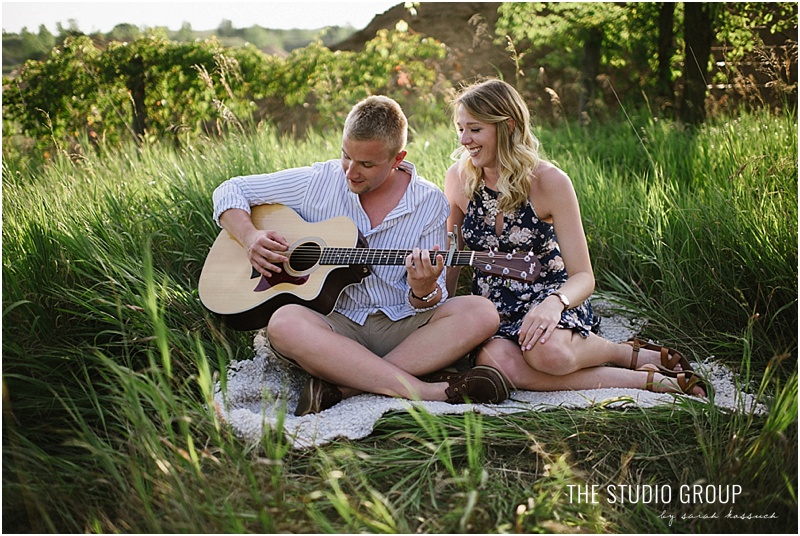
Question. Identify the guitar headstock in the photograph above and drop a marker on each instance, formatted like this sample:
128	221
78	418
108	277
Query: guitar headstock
520	266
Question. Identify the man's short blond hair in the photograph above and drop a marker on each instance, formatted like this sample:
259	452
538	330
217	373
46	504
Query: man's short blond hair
378	118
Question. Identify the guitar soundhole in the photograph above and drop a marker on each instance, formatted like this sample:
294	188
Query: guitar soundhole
305	256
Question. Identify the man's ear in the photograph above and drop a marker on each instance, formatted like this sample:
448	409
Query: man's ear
399	157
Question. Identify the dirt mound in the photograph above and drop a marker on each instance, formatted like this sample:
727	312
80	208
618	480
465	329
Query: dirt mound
467	28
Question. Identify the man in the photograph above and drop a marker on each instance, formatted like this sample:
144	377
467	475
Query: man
398	324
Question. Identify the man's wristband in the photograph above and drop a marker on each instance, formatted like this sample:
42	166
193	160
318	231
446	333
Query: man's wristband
428	297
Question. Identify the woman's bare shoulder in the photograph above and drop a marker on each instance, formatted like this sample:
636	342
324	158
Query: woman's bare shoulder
551	189
454	186
453	176
548	173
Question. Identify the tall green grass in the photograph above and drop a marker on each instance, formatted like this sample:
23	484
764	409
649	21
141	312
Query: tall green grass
109	359
696	229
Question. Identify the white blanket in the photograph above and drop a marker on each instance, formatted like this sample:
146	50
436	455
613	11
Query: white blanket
258	389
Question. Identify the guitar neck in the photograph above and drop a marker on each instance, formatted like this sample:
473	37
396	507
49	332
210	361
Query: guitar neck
386	257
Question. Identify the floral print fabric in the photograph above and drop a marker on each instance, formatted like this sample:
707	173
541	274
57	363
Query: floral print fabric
522	232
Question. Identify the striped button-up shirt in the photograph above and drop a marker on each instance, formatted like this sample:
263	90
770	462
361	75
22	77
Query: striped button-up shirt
319	192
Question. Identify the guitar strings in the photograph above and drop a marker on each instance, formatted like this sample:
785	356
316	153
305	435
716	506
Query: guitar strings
486	262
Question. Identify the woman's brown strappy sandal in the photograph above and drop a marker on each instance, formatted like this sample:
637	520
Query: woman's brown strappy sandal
669	357
687	380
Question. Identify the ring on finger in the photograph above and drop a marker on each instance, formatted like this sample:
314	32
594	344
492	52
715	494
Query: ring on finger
541	327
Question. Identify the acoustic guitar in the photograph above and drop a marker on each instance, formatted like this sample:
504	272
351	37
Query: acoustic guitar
324	258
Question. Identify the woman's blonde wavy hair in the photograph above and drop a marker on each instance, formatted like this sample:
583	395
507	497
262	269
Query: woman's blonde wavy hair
495	102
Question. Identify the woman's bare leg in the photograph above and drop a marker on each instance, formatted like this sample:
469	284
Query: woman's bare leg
506	356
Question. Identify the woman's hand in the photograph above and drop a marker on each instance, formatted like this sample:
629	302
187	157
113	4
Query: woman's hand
540	322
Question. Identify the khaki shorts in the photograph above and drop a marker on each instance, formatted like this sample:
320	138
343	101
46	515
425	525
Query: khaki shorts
379	334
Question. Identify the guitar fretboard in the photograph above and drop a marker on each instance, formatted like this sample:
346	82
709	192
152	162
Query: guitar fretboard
385	257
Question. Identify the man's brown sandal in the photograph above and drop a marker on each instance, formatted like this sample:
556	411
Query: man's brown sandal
669	357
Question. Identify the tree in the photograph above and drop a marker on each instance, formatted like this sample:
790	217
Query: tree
572	34
740	27
72	30
124	32
55	99
185	34
17	48
761	37
261	38
226	29
634	44
698	32
666	49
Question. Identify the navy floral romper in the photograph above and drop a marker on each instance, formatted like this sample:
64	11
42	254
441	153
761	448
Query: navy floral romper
522	232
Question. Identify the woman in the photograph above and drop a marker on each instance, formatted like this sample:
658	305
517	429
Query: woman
505	198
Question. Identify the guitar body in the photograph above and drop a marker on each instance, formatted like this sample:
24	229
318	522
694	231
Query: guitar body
245	300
